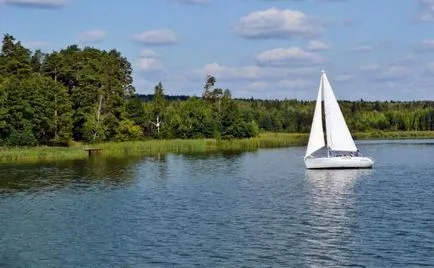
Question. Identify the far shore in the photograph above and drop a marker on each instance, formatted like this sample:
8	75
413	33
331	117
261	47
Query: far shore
153	147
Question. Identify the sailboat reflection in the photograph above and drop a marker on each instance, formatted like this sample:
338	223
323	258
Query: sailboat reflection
332	214
335	180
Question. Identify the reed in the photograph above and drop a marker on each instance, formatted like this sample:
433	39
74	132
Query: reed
40	153
390	135
152	147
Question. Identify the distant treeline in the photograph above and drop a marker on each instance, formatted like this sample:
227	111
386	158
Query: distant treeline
150	97
361	116
86	95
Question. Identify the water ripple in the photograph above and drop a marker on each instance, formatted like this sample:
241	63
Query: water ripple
259	209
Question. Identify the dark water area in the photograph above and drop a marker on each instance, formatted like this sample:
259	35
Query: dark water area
253	209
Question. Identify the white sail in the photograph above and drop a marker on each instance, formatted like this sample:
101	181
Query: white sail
338	136
316	138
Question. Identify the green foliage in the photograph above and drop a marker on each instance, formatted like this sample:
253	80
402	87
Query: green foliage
14	58
129	131
86	95
24	137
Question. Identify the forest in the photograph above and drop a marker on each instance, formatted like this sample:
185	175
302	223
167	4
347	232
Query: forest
87	95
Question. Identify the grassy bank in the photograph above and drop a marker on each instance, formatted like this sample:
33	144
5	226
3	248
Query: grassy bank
390	135
151	147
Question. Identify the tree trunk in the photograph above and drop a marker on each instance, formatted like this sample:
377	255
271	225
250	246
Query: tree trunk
55	116
98	114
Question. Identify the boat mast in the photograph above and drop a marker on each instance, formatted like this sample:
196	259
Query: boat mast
325	125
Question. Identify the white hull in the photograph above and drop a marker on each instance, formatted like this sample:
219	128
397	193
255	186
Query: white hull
339	162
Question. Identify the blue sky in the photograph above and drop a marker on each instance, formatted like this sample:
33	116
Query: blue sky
370	49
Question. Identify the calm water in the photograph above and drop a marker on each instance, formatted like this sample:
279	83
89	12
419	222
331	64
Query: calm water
260	209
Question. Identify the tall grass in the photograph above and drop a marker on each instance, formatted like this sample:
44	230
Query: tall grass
390	135
40	153
152	147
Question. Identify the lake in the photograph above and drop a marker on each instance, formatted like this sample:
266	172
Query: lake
253	209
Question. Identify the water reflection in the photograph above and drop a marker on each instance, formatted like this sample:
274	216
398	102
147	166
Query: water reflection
331	221
335	180
47	176
215	155
208	164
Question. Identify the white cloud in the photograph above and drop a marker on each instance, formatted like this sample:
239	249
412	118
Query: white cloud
427	45
387	71
93	36
430	67
149	61
148	53
315	45
277	23
288	56
157	37
427	10
296	83
250	72
257	86
343	77
37	44
407	77
226	72
149	65
395	72
37	3
289	88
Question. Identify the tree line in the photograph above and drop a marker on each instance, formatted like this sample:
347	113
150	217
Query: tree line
86	95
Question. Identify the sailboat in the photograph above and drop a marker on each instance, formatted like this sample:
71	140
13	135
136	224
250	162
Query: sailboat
340	149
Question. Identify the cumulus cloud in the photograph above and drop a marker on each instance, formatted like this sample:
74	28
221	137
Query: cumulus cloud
394	72
287	56
37	3
406	77
315	45
429	67
93	36
250	72
37	44
149	65
148	53
149	61
427	45
389	71
278	24
158	37
426	10
295	83
343	77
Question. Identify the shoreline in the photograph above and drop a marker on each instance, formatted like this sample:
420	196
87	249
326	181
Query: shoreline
153	147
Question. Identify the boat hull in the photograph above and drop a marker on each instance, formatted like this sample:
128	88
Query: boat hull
341	162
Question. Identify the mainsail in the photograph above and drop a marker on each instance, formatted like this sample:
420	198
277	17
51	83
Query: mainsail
316	138
338	135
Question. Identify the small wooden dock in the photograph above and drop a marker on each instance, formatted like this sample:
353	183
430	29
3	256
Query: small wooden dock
93	151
